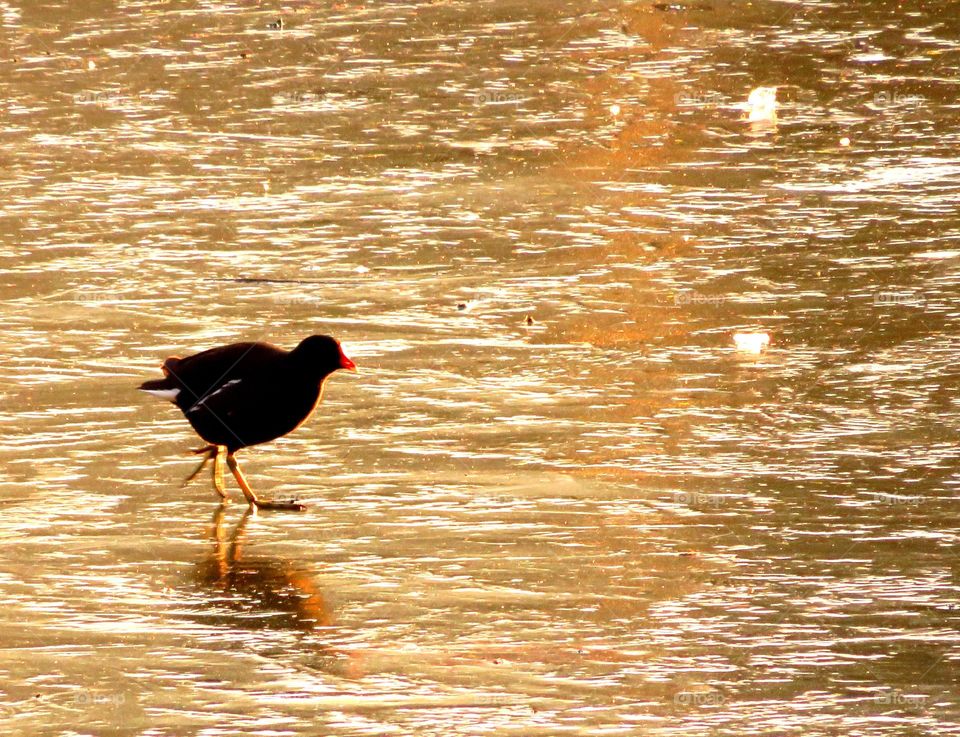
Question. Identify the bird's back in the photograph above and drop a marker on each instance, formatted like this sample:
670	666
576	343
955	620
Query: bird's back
202	373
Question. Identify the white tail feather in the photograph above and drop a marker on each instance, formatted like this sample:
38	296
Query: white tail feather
170	394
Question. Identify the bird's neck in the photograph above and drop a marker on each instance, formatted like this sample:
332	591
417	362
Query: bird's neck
306	373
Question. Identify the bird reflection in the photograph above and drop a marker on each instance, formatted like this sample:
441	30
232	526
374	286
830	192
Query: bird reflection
271	593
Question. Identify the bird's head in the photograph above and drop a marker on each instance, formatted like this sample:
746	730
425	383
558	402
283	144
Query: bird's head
323	354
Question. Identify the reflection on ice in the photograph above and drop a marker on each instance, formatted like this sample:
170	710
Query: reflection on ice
264	592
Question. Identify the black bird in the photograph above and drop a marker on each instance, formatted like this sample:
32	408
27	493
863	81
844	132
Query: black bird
245	394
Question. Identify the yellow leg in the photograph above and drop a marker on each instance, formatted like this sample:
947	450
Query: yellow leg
218	473
251	497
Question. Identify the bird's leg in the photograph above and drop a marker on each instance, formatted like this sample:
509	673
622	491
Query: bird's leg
238	475
208	453
248	492
218	474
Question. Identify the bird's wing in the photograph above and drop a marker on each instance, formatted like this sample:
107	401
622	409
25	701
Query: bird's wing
207	400
251	410
222	414
205	372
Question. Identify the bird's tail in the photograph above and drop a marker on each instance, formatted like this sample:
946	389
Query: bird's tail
156	385
164	388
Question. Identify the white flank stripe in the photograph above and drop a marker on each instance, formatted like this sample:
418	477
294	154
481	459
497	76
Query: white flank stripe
213	394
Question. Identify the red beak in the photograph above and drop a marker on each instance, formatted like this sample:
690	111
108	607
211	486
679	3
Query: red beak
346	363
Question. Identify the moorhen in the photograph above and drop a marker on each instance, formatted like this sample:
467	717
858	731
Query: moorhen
247	393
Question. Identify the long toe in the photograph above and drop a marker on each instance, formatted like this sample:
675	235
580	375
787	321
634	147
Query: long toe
290	506
197	470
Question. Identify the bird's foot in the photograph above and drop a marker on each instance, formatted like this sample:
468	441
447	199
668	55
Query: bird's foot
290	506
209	452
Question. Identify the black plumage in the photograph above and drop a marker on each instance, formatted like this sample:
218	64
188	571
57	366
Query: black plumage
244	394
